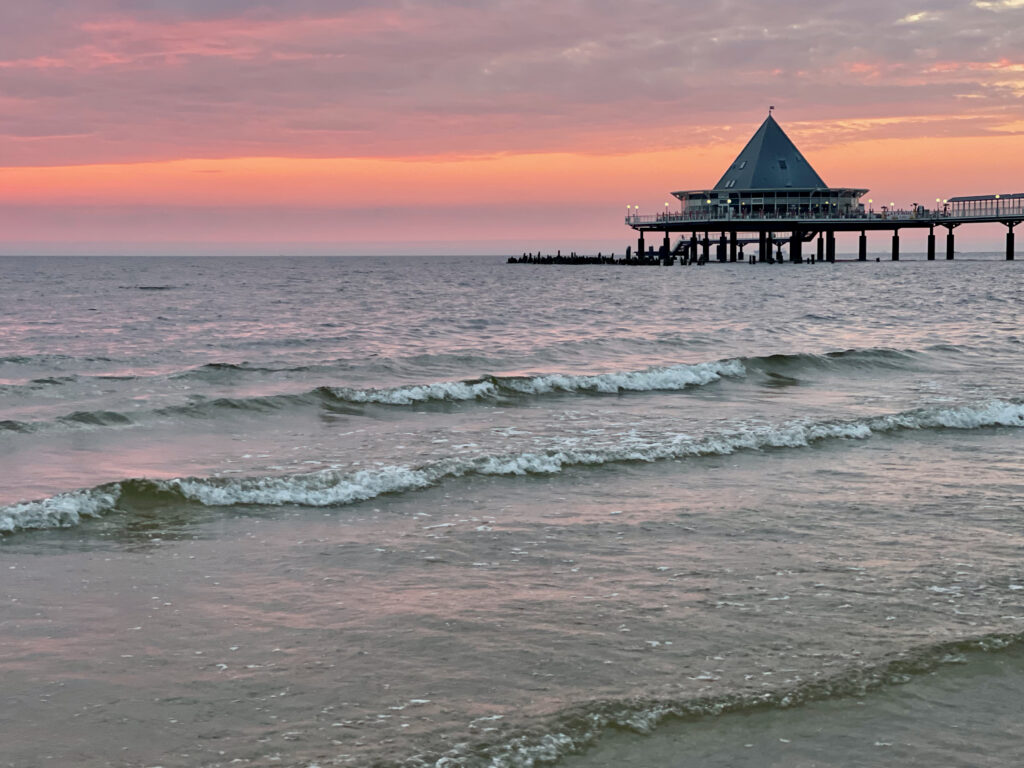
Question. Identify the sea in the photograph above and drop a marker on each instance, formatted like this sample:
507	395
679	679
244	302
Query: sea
452	512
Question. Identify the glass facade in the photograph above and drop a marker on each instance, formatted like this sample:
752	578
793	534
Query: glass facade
781	203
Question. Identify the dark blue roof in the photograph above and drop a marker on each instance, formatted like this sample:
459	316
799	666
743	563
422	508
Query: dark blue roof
770	161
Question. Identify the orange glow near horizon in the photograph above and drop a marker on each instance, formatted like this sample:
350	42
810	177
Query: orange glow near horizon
347	182
893	168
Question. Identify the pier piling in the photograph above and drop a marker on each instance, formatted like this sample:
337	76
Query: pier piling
796	241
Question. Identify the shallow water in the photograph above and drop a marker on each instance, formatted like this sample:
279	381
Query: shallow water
453	512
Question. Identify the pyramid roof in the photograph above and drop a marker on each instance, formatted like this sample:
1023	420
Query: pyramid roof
770	161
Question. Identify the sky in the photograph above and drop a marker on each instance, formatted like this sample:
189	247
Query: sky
454	126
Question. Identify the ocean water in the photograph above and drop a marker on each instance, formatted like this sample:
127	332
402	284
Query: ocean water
451	512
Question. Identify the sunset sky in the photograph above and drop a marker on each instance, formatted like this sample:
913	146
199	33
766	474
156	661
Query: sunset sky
341	126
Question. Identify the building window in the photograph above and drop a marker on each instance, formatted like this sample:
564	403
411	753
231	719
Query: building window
742	165
782	164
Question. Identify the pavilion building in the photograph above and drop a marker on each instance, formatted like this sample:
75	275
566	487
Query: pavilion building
770	177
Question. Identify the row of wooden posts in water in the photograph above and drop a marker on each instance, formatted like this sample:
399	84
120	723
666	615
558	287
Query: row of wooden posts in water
646	261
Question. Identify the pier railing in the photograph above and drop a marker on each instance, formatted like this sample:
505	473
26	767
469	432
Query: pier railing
1011	208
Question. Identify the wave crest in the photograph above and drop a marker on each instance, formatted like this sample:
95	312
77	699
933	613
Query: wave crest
577	728
65	510
672	378
328	488
675	377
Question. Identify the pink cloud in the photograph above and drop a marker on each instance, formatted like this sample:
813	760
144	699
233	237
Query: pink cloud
152	80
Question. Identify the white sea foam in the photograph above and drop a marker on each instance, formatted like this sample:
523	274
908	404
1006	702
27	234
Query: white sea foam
61	511
996	413
672	378
579	732
442	390
318	489
336	488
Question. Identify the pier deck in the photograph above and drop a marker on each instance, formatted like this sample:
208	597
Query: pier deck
773	229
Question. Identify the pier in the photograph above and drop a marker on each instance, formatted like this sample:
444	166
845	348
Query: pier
690	236
772	200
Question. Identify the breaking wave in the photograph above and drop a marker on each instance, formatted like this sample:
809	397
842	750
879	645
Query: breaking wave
329	488
489	387
577	728
61	511
659	377
671	378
